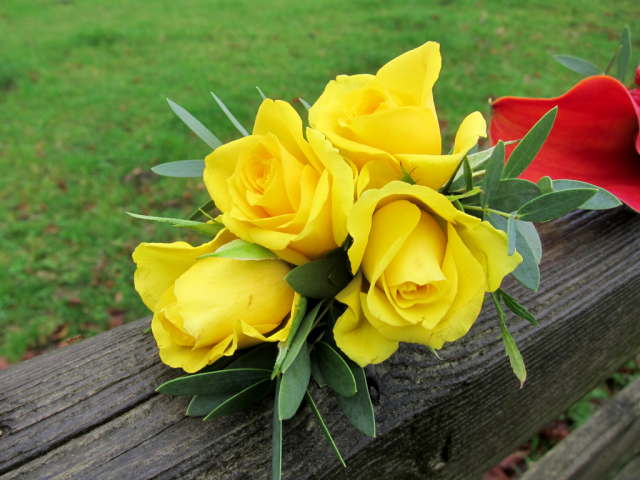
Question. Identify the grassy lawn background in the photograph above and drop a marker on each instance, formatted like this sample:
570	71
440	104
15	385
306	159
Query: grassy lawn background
83	115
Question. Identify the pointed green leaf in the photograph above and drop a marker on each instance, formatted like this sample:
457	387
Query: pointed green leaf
624	58
315	370
433	350
263	356
242	250
456	203
210	205
468	173
516	308
529	235
182	168
197	127
517	364
217	406
312	279
276	463
554	205
335	370
207	229
341	276
230	116
264	97
477	161
470	193
602	200
301	336
323	427
222	381
545	184
222	363
579	65
306	105
512	193
358	408
492	175
511	235
294	383
283	347
529	146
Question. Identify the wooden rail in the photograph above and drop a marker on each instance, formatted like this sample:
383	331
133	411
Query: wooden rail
90	410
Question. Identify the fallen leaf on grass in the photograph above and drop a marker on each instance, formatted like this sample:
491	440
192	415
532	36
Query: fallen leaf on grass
70	341
59	332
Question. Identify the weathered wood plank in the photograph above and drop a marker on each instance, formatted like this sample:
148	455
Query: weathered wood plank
90	411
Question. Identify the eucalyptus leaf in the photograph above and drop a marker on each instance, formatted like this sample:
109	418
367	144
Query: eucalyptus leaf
554	205
624	58
182	168
237	402
545	184
262	356
315	370
492	175
512	193
301	336
323	427
468	173
511	235
294	383
242	250
470	193
306	105
529	235
283	347
210	205
516	308
214	383
358	408
517	363
197	127
312	279
264	97
341	275
230	116
583	67
276	451
335	370
529	146
207	229
602	200
203	405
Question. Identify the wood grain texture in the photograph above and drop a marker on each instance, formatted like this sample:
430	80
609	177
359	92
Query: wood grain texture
90	410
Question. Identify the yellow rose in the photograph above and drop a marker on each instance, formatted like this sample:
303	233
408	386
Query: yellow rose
283	192
204	309
425	269
388	121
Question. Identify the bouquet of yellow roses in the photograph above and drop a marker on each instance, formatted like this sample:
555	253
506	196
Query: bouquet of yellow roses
339	241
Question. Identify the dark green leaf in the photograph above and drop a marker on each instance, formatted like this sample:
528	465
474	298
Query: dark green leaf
207	229
264	97
492	175
478	161
335	370
301	336
306	105
263	356
341	276
511	235
197	127
624	58
545	184
602	200
516	308
283	347
242	250
222	381
323	427
468	173
223	362
529	146
579	65
529	235
203	405
456	203
276	462
182	168
358	407
554	205
294	383
517	364
235	403
512	193
210	205
230	116
312	279
315	370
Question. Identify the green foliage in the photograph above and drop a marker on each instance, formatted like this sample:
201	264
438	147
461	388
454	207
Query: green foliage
283	347
334	370
517	364
357	407
194	124
624	57
516	308
492	176
206	207
512	193
294	383
323	427
602	200
554	205
511	235
276	453
323	278
242	250
233	119
206	229
237	402
181	168
222	381
583	67
300	337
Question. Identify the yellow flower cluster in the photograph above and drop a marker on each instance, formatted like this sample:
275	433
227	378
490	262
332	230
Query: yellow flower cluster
421	267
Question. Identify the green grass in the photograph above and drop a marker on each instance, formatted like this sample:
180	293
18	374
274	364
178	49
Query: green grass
83	115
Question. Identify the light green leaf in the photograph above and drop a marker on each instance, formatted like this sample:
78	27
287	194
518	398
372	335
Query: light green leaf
197	127
529	235
516	308
554	205
323	427
579	65
264	97
182	168
210	205
511	235
312	279
512	193
470	193
335	370
517	363
315	370
276	461
283	347
301	336
529	146
214	383
624	58
602	200
230	116
242	250
545	184
306	105
478	161
294	383
233	403
207	229
492	175
358	408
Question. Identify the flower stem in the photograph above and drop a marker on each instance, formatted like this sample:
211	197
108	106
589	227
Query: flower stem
317	321
487	210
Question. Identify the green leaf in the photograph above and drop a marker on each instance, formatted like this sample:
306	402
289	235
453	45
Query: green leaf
477	162
207	229
306	105
492	175
210	205
335	370
276	462
511	235
529	235
545	184
263	356
230	116
602	200
516	308
264	97
579	65
283	347
624	58
470	193
341	275
358	408
312	279
232	404
197	127
182	168
301	336
529	146
323	427
468	173
222	381
512	193
315	371
294	383
456	203
242	250
554	205
146	331
517	364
